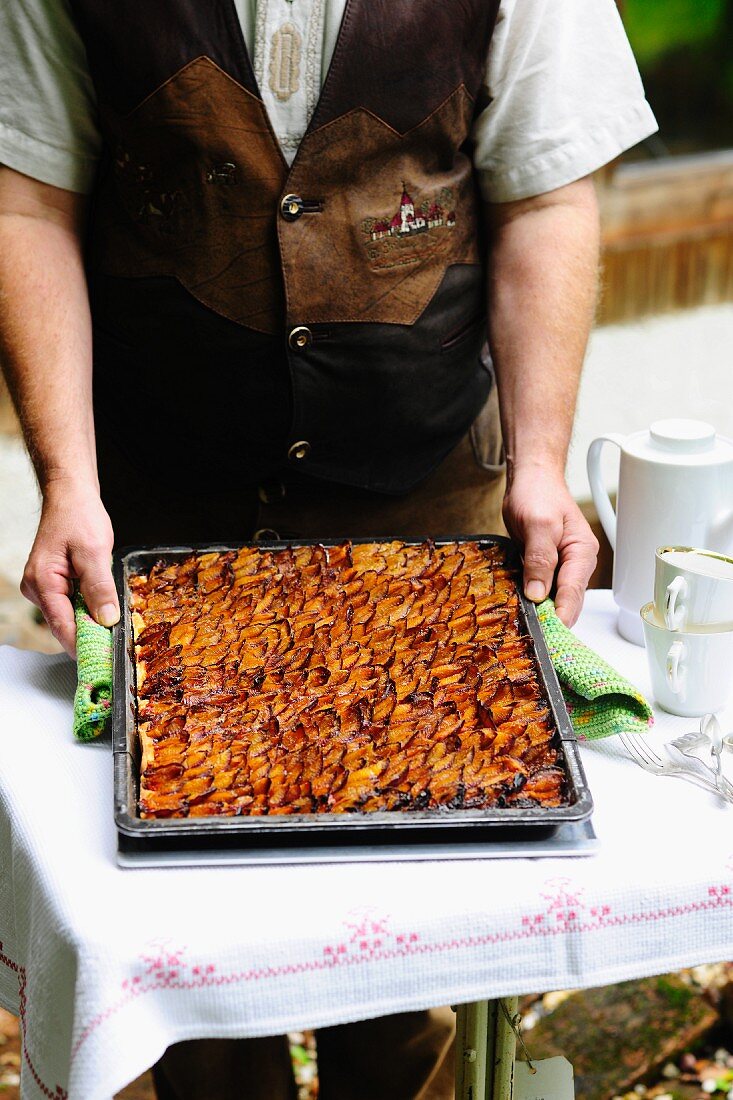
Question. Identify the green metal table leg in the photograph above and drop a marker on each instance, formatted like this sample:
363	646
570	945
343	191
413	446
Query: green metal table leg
475	1025
485	1048
505	1046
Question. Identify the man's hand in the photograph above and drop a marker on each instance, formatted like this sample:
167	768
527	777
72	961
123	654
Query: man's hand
74	541
541	515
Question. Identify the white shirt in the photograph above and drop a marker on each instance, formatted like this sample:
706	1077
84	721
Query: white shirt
565	93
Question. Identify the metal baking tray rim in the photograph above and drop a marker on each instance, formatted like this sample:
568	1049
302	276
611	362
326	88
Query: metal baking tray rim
320	826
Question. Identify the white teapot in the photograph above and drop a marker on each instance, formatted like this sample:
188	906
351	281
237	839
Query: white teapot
675	488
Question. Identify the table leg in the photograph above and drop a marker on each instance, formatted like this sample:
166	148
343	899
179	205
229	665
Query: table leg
505	1046
485	1048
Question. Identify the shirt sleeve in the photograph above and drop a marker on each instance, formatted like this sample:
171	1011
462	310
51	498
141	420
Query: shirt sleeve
564	97
48	126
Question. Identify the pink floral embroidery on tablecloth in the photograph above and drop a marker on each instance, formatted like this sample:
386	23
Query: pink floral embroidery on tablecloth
162	965
369	932
370	936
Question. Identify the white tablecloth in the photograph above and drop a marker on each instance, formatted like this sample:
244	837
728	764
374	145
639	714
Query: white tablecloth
107	966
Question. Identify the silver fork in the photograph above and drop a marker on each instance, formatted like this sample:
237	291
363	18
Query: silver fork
697	746
645	756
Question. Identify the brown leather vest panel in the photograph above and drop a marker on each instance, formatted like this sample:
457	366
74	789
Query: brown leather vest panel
191	192
196	180
370	254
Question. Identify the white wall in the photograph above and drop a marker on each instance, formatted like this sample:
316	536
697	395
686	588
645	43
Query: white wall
676	365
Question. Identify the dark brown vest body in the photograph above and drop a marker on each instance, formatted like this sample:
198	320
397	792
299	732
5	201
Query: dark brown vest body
199	273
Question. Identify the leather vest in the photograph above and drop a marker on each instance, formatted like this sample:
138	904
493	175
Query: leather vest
330	314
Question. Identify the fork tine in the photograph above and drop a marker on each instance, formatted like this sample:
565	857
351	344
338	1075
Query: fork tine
628	744
642	754
652	754
642	751
637	749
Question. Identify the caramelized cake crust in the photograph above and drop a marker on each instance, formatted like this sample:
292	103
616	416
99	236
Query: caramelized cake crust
379	676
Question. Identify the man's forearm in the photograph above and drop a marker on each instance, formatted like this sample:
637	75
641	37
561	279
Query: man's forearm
45	331
542	294
45	346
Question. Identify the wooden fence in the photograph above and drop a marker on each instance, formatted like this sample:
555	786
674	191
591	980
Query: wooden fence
667	235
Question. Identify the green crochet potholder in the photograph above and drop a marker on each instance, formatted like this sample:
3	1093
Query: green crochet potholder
93	698
599	700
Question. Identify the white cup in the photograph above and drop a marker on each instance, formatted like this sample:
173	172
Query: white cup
693	589
691	673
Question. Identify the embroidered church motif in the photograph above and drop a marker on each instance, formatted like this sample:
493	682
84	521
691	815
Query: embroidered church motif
285	55
390	240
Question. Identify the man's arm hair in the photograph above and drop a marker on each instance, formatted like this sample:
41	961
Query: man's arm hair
45	333
543	284
46	354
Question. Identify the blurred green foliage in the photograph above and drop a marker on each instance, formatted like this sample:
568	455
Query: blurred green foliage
685	52
655	26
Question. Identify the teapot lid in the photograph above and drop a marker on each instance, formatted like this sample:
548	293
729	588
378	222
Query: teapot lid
682	436
680	442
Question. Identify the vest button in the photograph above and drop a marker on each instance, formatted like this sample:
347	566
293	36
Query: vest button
265	534
300	338
291	207
299	450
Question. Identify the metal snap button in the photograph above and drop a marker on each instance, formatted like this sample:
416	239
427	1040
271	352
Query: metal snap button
300	338
299	450
291	207
222	173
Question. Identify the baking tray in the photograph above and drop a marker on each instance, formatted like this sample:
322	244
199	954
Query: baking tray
349	833
572	838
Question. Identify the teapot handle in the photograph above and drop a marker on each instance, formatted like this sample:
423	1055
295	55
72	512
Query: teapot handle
601	498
